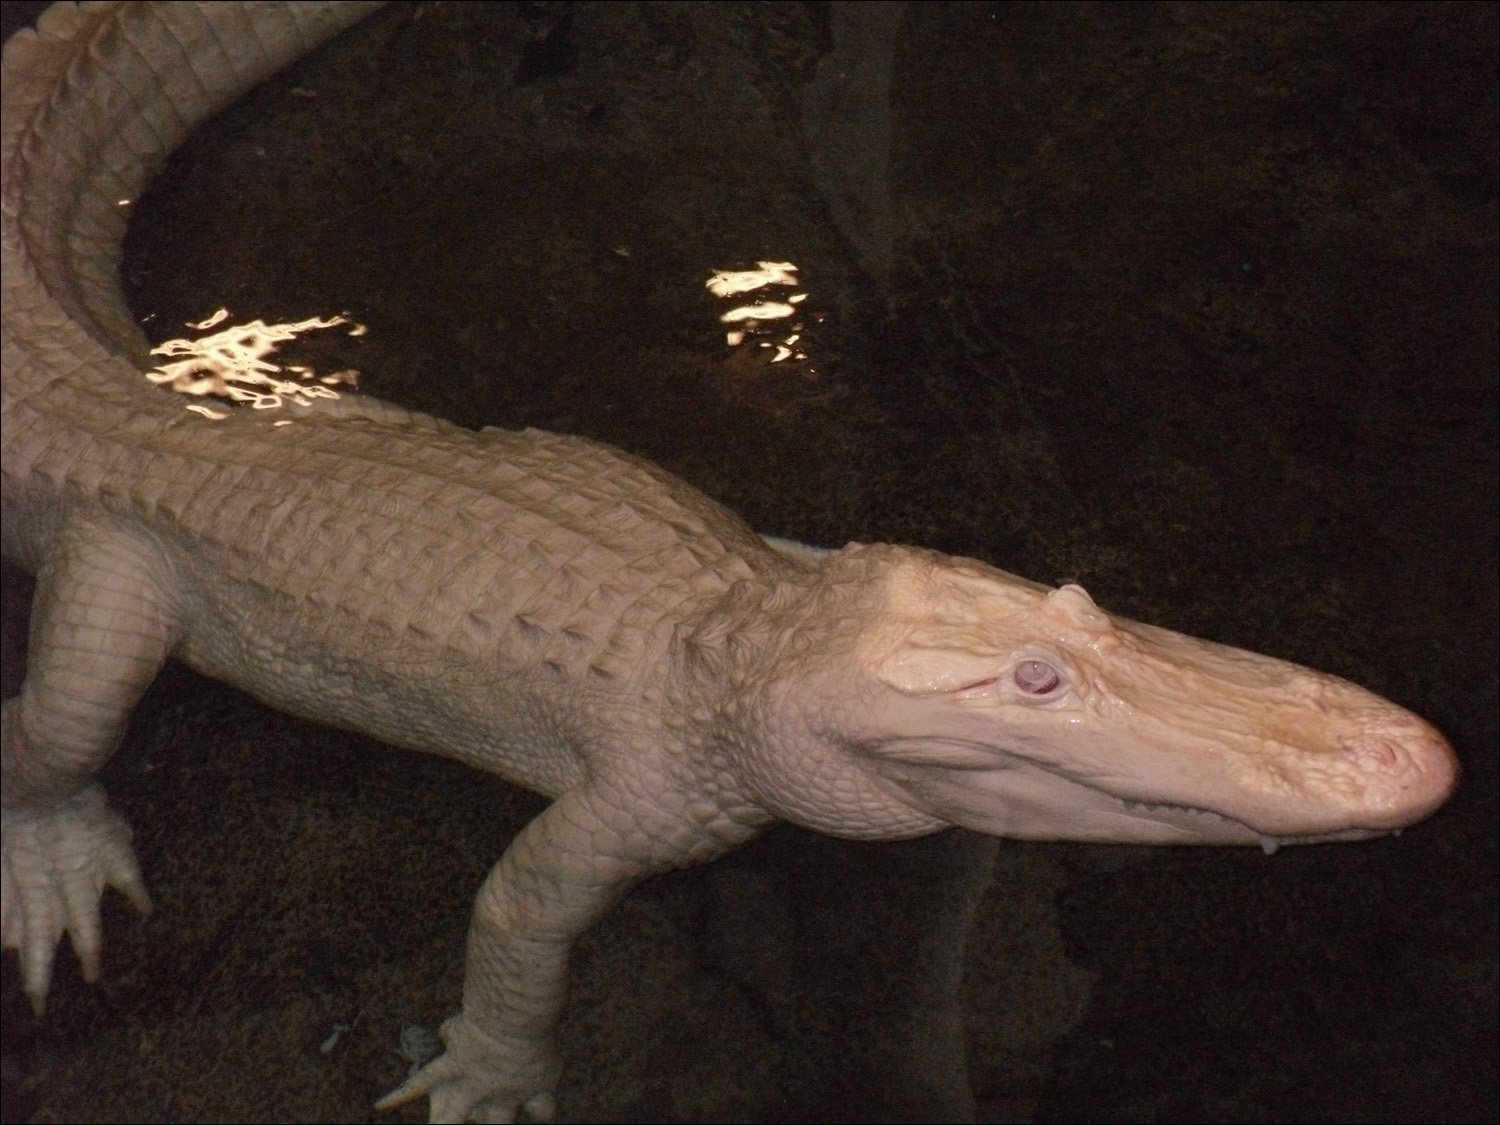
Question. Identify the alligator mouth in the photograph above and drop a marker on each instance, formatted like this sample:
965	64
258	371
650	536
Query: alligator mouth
1006	794
1269	843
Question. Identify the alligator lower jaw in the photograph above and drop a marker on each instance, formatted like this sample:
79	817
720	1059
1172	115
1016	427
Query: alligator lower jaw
1268	843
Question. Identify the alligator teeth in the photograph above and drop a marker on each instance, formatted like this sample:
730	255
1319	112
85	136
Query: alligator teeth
1164	806
1269	844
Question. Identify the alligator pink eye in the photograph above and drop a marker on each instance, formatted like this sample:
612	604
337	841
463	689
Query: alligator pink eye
1036	677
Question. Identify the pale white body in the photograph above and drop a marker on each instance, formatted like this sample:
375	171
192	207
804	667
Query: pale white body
546	608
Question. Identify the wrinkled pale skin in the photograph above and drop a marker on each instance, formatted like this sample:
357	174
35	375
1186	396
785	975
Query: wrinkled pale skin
545	608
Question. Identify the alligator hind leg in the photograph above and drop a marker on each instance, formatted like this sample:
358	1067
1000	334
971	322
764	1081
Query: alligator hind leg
101	628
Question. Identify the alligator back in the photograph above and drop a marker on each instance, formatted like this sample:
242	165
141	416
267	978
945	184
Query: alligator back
311	555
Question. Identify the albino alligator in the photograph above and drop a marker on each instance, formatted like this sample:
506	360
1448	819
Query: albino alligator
547	608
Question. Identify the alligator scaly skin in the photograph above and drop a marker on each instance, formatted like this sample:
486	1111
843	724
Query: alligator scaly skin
546	608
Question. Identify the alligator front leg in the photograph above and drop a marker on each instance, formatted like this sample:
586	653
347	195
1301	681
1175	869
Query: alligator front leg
557	878
101	627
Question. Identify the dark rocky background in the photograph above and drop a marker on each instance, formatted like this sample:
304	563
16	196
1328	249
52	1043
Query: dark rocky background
1194	304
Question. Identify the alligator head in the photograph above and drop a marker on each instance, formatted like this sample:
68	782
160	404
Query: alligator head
955	693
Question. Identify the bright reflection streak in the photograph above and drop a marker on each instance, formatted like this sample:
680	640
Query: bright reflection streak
215	319
756	318
233	364
726	283
765	310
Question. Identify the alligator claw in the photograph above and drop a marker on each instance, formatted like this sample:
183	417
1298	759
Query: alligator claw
483	1078
56	863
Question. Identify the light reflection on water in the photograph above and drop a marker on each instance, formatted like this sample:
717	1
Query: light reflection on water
234	364
760	321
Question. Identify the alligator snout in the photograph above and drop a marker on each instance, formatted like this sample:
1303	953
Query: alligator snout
1408	771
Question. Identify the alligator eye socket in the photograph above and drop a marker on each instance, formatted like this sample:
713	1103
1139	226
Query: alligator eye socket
1036	677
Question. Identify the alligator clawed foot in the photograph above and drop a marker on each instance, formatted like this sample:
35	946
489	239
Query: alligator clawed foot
483	1078
56	863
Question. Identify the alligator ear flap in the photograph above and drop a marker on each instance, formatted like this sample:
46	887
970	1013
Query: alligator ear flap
1072	605
937	671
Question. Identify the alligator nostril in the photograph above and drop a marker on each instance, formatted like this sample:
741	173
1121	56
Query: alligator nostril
1371	754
